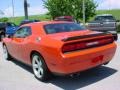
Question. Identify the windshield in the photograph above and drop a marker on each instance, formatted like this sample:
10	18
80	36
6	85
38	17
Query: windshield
11	25
62	27
105	18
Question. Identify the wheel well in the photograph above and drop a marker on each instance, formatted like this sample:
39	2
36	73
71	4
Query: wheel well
33	52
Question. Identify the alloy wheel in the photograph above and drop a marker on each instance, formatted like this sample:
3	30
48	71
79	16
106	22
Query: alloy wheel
37	66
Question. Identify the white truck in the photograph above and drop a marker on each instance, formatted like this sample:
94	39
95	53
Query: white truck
104	23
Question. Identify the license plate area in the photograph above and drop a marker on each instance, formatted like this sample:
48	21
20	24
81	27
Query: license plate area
98	59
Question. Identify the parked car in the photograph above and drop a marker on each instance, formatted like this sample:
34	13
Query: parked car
62	48
104	23
11	28
7	28
28	21
66	18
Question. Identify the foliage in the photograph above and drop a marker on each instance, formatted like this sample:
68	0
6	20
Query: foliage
118	27
70	8
4	19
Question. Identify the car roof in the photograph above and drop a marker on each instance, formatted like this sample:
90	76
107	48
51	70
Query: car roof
105	15
65	17
45	23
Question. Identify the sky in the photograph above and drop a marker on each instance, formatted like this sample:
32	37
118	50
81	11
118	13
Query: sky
36	6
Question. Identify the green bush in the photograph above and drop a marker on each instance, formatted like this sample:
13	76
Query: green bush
118	27
4	19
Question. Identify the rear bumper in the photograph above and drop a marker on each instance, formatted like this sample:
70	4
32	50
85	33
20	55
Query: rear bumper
82	60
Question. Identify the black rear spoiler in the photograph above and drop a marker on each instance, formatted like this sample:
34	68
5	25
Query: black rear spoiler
85	36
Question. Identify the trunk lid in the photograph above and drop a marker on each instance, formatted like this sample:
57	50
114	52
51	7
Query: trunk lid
79	40
77	35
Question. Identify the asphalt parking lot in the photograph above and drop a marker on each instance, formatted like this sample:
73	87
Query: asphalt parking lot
17	76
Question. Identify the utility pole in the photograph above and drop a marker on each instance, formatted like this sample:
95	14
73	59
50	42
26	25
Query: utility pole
13	9
26	9
84	12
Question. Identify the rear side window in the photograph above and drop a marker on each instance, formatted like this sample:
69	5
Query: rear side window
62	27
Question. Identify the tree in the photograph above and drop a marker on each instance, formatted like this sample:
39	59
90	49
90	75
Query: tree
71	8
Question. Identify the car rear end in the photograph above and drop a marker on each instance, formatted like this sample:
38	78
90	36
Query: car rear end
104	26
73	49
80	53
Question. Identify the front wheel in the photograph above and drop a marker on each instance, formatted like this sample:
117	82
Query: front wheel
39	67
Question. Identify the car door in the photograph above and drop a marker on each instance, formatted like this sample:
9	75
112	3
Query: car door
21	42
12	44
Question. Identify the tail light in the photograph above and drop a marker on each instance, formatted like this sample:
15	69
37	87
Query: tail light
86	44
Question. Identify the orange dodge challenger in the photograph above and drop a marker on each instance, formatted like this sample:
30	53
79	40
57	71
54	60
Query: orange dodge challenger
59	47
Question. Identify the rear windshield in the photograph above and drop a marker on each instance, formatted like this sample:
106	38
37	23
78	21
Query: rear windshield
105	18
62	27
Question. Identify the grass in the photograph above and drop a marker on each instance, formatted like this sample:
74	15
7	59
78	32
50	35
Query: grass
17	20
114	12
44	17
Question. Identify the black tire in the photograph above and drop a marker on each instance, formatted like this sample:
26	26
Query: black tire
40	70
106	63
7	56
